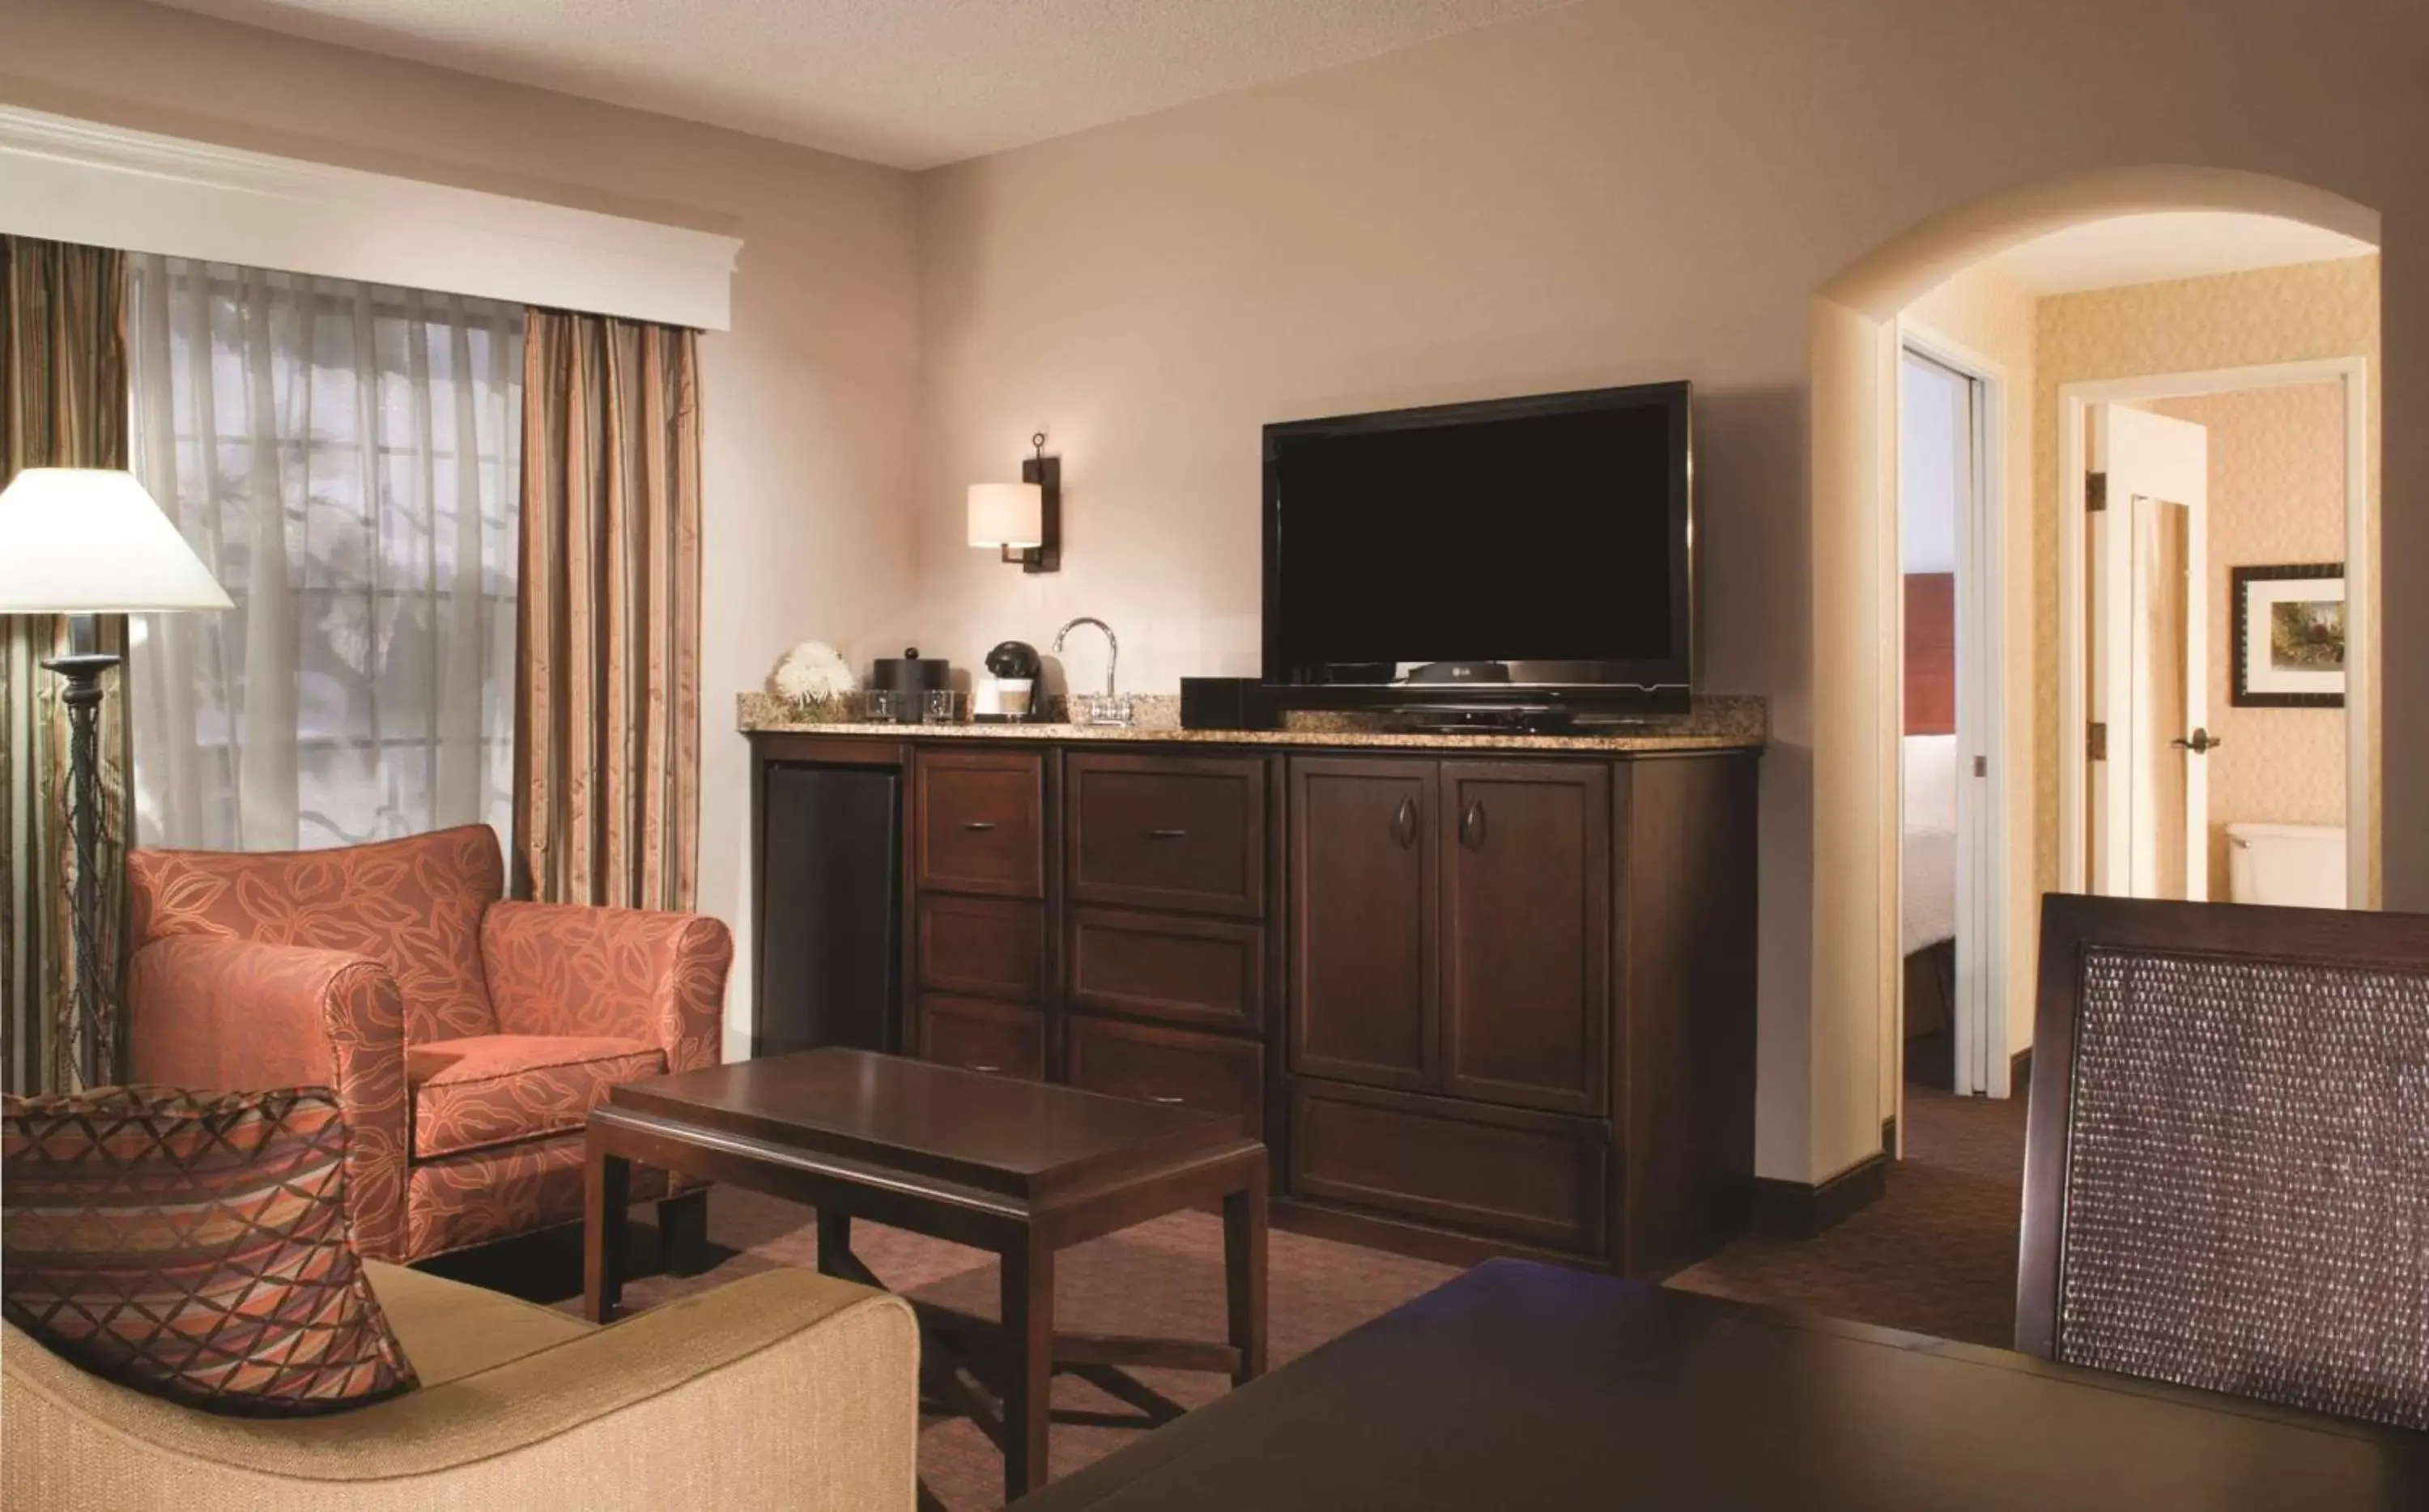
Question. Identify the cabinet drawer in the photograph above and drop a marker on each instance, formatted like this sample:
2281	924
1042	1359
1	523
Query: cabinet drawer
1209	972
995	946
980	1035
1167	832
1536	1179
1161	1065
982	822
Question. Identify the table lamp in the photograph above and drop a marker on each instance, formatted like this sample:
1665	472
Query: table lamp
91	541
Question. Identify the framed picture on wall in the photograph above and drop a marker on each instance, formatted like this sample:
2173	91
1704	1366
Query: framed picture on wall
2289	637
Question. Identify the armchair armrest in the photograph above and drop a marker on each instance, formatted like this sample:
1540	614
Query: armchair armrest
564	968
210	1012
783	1390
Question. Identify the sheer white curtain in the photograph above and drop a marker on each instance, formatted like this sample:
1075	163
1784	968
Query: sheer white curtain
345	457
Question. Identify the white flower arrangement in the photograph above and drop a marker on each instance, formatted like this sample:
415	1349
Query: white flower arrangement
814	677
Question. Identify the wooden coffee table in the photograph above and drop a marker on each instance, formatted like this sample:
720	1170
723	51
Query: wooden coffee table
1019	1168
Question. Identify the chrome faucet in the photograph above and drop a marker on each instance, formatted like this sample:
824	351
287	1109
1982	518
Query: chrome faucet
1110	708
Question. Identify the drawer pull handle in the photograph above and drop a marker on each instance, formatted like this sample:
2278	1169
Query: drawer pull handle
990	1070
1151	1097
1404	823
1167	834
980	824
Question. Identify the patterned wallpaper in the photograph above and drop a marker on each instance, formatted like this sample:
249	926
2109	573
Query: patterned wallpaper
2277	495
2273	315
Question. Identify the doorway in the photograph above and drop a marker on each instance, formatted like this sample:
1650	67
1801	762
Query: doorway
1951	903
2216	665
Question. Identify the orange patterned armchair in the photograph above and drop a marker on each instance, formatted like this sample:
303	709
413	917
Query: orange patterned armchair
467	1037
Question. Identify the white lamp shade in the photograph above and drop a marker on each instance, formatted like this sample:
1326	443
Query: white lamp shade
1007	514
91	541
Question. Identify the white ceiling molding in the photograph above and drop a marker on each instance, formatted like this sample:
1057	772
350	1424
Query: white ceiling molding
71	180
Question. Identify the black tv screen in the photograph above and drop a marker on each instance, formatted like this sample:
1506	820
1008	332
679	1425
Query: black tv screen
1549	534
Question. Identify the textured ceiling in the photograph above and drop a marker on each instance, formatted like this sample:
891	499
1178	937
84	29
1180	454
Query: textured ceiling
909	83
2149	249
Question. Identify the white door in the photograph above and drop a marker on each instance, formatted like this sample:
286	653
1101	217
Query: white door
2149	656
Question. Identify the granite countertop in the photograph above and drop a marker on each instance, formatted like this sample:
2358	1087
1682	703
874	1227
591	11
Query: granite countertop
1721	722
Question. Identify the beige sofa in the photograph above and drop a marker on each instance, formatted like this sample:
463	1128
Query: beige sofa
788	1389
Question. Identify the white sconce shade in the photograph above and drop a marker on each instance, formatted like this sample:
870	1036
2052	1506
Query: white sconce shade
91	541
1007	514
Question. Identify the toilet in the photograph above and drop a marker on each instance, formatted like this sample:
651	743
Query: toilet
2298	865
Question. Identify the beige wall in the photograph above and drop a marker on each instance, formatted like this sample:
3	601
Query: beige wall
809	400
2273	315
1618	191
2276	496
1991	316
1614	191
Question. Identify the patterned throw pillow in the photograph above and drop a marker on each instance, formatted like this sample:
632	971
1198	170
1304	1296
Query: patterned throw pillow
193	1246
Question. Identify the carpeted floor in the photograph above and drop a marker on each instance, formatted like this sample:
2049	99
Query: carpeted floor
1937	1255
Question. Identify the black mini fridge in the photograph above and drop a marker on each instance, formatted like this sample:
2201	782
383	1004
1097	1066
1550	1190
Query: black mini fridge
831	932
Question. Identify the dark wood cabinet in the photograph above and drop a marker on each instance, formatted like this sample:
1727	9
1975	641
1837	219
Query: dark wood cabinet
1205	972
995	946
980	1034
1165	1065
1534	1178
1479	999
981	822
1526	932
1364	892
1167	832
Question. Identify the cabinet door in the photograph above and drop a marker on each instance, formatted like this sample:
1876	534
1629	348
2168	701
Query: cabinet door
1362	898
1526	932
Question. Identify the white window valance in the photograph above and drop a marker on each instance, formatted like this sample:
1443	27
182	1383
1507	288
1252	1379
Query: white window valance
71	180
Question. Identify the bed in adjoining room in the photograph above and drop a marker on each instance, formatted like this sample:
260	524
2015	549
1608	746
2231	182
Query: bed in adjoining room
1928	848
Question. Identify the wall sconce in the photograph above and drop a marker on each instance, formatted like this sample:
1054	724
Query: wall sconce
1023	520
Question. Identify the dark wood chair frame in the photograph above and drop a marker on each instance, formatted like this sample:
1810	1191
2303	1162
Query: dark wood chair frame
2070	924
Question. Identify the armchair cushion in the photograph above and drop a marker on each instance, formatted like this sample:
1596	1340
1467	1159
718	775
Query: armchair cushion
413	905
194	1248
499	1089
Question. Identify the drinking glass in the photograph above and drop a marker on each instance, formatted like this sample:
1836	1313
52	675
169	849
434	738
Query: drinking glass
882	706
944	706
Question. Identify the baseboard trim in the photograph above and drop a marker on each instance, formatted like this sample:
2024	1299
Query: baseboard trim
1798	1209
1297	1215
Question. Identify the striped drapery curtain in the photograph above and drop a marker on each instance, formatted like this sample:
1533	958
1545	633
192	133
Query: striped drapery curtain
62	404
607	702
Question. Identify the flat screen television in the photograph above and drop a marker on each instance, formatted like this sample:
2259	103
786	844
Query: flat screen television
1532	549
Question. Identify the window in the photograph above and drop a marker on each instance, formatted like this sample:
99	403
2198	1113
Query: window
345	458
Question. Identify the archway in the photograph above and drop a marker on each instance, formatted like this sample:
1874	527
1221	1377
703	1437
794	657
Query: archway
1855	615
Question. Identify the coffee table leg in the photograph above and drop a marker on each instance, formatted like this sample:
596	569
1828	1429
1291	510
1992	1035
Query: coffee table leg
1244	1271
1028	1302
606	1185
834	1245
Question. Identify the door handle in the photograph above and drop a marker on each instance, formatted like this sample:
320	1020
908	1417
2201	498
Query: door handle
1471	826
980	824
2201	742
1151	1097
990	1070
1404	823
1167	834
